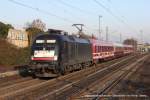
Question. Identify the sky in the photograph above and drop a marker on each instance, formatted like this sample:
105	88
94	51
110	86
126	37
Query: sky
126	17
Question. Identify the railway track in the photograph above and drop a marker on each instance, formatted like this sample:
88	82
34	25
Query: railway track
37	89
76	87
13	80
116	88
105	85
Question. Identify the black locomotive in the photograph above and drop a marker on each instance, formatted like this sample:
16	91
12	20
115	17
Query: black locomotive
54	53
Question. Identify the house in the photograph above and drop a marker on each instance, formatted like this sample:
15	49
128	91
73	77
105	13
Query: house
18	38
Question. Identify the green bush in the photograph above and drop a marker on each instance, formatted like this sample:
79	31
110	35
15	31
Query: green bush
11	55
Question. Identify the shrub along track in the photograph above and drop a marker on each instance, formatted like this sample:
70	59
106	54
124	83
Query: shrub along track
34	89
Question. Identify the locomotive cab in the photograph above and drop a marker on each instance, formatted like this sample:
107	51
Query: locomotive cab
45	50
45	56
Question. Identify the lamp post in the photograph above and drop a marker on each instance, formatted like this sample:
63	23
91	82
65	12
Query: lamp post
100	26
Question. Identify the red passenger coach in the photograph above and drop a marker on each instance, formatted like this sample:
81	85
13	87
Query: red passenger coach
118	49
102	50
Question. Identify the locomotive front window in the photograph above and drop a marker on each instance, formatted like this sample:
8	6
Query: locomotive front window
38	48
50	41
50	47
39	41
46	48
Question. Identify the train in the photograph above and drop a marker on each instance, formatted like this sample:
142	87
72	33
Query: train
57	53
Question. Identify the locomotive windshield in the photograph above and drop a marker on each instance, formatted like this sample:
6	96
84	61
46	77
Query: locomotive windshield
45	48
42	45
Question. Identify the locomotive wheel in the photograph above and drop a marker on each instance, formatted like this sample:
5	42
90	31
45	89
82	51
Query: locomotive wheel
34	76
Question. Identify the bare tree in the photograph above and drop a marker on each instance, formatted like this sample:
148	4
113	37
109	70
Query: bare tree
132	42
37	23
34	28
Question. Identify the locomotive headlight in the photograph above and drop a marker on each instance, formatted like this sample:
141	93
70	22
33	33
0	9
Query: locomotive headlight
55	57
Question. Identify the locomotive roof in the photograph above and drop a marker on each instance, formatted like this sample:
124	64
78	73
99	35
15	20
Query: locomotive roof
67	38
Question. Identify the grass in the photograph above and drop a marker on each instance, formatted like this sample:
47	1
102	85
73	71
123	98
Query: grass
11	55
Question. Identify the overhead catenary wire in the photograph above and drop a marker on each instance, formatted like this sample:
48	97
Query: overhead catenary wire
79	10
92	13
60	17
66	11
41	11
48	13
115	16
122	16
76	8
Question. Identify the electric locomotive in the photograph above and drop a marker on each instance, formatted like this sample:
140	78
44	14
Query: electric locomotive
53	54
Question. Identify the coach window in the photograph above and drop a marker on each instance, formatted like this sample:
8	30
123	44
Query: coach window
104	49
95	48
107	48
100	48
